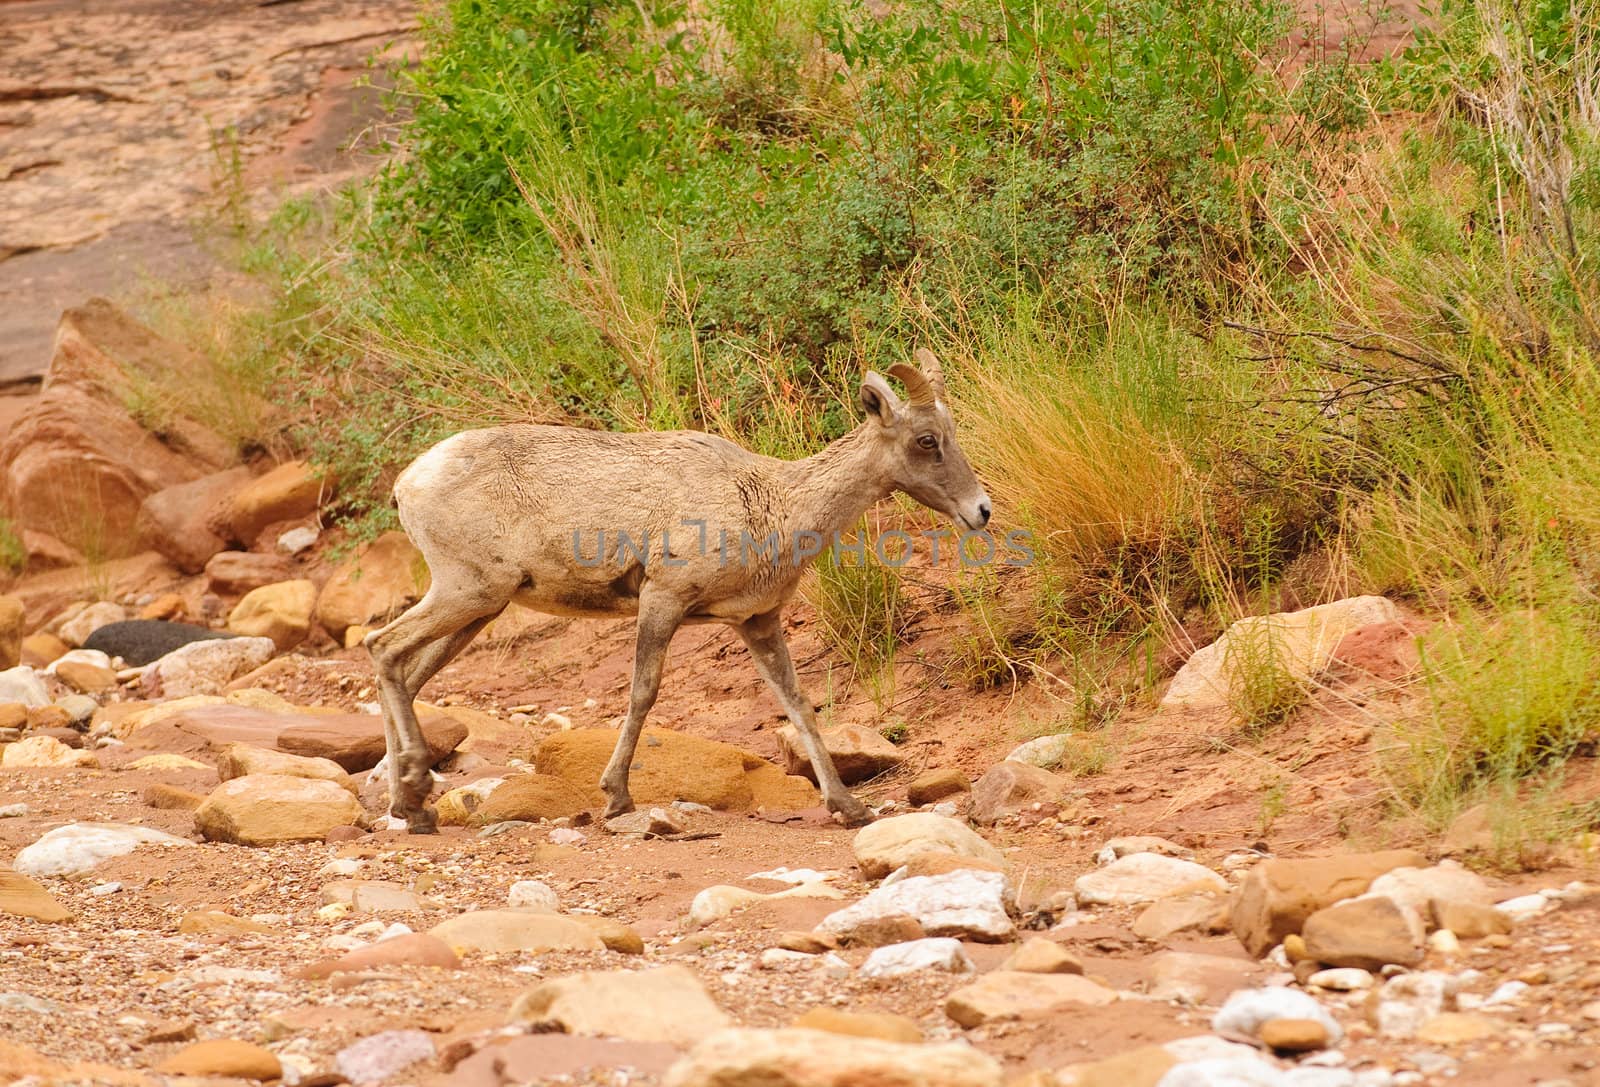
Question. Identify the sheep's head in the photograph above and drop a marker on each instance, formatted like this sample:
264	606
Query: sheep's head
918	438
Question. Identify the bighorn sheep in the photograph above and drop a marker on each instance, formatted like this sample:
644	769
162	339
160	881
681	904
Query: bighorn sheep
522	512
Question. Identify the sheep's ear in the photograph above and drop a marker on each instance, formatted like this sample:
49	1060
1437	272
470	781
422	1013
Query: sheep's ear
879	400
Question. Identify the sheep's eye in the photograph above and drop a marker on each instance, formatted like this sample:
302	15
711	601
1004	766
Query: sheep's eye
928	441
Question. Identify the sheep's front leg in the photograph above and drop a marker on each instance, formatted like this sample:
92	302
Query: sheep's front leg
659	617
764	635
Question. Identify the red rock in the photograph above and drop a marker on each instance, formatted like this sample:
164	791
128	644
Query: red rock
376	584
1278	895
1011	786
416	949
75	464
174	520
234	573
353	740
290	491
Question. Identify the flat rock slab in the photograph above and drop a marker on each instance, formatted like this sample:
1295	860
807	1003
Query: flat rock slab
1009	994
79	847
352	740
667	1004
500	931
812	1058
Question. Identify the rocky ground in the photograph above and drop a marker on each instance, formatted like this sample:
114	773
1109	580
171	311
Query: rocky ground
197	884
200	883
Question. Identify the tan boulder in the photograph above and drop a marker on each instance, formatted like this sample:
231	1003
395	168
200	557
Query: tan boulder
531	797
233	573
412	949
1278	895
41	752
281	611
773	790
176	520
666	1004
1011	786
1369	933
217	923
858	753
290	491
1038	955
1010	994
667	766
937	785
267	809
456	807
1294	644
41	649
239	760
883	846
379	582
85	677
13	625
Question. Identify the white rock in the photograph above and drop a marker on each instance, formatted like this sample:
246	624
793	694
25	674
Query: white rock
296	540
793	876
1208	1047
1144	877
1506	994
1409	1000
1524	907
1319	1077
80	656
942	953
1046	752
1228	1072
14	811
528	894
968	903
883	846
1245	1011
717	902
1447	880
567	836
76	631
208	666
1345	979
776	958
79	847
22	684
339	867
1302	643
1444	942
1140	843
379	1057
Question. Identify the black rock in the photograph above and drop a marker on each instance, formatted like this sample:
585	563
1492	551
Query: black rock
140	641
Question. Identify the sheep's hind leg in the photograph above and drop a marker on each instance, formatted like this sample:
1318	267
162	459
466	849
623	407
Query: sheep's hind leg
406	654
764	635
658	621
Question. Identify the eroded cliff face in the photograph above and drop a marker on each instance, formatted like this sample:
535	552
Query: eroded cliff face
123	125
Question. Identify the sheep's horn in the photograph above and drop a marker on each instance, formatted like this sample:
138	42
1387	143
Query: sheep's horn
931	367
919	390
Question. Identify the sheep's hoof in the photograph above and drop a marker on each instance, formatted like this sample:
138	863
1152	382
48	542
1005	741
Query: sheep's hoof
616	808
852	813
422	822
